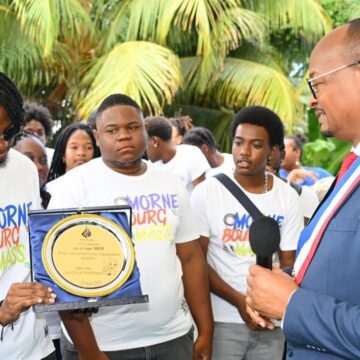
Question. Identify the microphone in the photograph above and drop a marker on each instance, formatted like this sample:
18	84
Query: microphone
264	238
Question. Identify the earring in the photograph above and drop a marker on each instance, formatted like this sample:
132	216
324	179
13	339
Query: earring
155	145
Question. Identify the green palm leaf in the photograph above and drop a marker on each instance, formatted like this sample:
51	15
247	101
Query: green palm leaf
119	25
148	73
20	57
305	17
244	83
237	25
45	20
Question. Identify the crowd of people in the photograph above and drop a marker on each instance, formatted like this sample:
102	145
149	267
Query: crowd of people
207	297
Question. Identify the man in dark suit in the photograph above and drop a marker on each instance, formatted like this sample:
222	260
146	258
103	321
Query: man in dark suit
320	304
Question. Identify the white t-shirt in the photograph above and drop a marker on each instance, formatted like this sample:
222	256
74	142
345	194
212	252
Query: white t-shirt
189	163
226	167
51	185
49	155
226	223
162	217
19	191
308	201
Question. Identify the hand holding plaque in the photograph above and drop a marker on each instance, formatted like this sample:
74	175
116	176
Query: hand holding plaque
87	257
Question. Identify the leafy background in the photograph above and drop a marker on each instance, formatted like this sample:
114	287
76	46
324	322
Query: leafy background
205	58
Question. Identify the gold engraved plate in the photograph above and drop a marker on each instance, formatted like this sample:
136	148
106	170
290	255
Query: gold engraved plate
88	255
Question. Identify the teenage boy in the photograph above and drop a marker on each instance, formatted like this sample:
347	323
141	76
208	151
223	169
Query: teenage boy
171	263
224	228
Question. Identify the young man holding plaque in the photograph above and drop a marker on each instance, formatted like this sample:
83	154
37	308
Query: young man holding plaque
23	334
172	266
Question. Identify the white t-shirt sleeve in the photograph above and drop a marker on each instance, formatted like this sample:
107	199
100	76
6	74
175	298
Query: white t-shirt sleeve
293	223
199	164
198	197
188	229
308	201
36	202
66	193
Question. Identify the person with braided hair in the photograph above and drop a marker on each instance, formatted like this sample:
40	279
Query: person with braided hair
205	141
180	126
74	146
23	334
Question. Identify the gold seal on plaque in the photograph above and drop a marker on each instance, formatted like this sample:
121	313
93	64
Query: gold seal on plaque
88	255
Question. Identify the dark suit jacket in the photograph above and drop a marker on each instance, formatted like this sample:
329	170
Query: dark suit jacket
322	320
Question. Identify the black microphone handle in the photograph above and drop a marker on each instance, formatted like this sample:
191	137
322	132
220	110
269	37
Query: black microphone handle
264	261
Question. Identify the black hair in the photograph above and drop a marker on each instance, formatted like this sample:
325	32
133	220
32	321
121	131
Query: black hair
114	100
35	111
198	136
182	123
158	126
11	101
260	116
58	167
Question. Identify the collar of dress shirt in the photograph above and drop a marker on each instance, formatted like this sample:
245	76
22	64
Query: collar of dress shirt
356	149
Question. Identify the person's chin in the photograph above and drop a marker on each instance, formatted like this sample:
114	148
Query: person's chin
244	171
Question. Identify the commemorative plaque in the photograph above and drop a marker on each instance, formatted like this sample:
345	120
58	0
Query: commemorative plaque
86	256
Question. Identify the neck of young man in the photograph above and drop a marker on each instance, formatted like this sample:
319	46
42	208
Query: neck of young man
131	168
253	183
217	159
169	152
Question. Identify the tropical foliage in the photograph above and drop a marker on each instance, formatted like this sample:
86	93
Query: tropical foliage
210	57
319	151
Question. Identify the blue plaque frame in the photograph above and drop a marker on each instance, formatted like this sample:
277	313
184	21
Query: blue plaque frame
39	224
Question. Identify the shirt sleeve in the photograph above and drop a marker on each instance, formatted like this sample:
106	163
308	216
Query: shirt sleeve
187	230
36	200
198	197
66	193
199	163
293	223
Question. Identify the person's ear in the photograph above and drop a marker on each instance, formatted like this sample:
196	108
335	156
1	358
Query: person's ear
155	142
271	153
204	148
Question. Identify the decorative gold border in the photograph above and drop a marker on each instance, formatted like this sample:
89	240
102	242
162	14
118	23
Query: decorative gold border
61	283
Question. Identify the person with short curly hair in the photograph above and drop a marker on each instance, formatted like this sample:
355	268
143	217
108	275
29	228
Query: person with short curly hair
38	121
224	224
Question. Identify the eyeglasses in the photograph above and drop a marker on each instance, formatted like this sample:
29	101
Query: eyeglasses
8	133
313	87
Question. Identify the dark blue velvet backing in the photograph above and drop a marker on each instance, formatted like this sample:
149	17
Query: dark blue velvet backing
40	224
